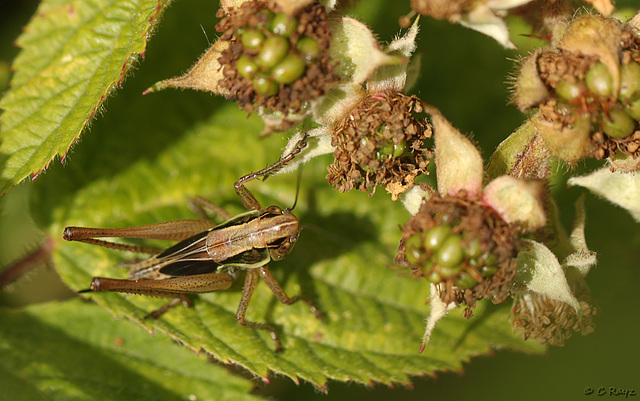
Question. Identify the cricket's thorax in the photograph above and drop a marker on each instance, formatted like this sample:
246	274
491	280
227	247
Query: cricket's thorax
259	233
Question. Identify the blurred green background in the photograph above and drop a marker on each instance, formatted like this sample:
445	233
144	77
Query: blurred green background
465	75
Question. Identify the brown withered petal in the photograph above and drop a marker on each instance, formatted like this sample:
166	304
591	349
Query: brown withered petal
608	146
290	98
549	321
472	221
365	156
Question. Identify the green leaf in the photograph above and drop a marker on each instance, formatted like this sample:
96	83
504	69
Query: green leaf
74	54
374	315
77	351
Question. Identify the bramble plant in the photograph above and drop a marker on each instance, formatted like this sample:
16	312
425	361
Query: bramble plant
412	241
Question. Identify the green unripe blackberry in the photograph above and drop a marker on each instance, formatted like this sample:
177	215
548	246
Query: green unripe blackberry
399	149
449	271
468	250
629	81
488	271
488	259
384	151
252	39
265	86
289	69
570	92
436	236
473	249
308	48
434	277
450	253
618	125
465	281
273	50
283	25
268	16
246	67
412	248
633	109
598	80
389	149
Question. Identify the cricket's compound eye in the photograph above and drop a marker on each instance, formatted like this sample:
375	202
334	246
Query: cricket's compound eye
274	210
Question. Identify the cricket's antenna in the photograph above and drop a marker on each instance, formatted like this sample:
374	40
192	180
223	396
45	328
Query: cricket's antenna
295	202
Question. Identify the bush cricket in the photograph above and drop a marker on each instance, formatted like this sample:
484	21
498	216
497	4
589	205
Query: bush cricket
207	256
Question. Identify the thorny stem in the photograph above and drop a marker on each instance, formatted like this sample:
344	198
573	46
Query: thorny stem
21	267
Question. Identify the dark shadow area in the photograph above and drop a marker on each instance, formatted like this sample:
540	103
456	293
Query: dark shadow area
326	236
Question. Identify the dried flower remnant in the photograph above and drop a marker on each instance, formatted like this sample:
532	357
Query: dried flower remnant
275	60
586	90
375	132
552	299
550	321
380	142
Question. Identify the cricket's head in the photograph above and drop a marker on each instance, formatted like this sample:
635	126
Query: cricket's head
284	229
